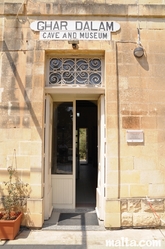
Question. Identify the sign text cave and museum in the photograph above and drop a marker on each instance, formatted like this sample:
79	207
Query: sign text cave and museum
75	30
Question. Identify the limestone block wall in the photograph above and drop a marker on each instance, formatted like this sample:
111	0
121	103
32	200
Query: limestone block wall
141	107
141	85
134	93
137	102
149	212
21	107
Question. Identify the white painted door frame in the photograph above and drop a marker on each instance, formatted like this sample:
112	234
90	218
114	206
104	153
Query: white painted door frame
100	199
48	156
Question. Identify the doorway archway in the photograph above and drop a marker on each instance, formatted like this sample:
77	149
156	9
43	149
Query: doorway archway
86	153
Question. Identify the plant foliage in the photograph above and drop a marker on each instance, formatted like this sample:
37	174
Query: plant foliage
16	194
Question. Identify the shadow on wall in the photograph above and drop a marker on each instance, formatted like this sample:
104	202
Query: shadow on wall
22	88
143	61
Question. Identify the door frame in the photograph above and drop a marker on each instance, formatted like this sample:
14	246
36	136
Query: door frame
47	157
100	191
63	97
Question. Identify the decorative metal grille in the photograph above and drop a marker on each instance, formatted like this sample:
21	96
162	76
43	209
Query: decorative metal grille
73	71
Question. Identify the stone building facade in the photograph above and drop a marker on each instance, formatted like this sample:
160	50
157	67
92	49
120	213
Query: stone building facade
130	99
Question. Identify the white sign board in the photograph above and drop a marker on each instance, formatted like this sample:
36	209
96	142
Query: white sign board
135	136
62	35
74	30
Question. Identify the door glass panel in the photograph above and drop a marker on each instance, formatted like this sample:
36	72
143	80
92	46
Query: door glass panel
62	142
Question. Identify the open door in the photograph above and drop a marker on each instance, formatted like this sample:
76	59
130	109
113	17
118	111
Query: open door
48	156
100	193
63	155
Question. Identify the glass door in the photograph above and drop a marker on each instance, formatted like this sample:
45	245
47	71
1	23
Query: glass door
63	155
62	145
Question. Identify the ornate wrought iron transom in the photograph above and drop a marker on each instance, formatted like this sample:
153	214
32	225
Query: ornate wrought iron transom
69	71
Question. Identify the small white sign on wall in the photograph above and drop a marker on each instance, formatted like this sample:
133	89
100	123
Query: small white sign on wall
135	136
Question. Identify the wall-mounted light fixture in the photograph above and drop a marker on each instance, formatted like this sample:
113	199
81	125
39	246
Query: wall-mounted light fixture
138	52
74	43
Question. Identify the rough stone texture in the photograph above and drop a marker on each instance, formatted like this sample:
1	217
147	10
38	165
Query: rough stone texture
148	220
153	205
127	220
134	206
142	212
124	206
